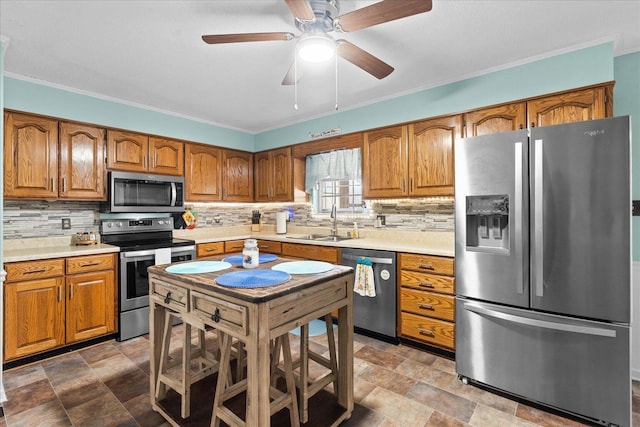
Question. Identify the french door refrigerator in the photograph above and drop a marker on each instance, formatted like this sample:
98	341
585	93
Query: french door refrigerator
543	266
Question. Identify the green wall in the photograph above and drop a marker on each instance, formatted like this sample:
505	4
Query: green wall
36	98
626	98
574	69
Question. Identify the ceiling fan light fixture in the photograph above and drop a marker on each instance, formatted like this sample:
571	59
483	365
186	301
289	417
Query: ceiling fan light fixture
316	48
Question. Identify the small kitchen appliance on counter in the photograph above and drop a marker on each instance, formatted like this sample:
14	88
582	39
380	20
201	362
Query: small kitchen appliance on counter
143	243
543	266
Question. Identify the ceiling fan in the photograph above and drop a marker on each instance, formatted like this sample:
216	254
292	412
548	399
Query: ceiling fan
317	18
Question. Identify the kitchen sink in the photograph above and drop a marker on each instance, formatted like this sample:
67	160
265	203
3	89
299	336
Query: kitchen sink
319	237
333	238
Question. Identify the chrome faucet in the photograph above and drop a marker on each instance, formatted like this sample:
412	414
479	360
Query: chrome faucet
334	224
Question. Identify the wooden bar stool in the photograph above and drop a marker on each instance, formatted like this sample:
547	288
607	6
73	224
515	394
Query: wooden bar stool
307	388
180	373
279	399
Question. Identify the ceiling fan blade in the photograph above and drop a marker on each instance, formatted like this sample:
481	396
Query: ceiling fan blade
290	77
301	9
384	11
246	37
363	59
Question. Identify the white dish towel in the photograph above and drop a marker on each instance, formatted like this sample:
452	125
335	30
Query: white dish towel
364	283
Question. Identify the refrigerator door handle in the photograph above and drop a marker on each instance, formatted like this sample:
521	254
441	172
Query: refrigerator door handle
518	214
541	323
538	234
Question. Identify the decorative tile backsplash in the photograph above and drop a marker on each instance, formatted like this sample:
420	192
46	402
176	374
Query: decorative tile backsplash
28	219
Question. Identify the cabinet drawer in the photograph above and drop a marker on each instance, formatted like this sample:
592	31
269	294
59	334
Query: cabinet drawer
219	313
318	253
231	246
269	247
209	249
427	303
427	282
29	270
169	295
429	330
83	264
427	263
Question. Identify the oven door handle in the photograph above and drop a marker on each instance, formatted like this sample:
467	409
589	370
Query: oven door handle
177	251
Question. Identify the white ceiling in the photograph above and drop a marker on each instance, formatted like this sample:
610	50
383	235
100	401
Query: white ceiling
150	54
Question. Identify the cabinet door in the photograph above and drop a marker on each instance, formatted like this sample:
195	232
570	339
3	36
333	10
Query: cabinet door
127	151
263	174
384	163
82	162
567	107
90	305
503	118
431	155
203	173
166	156
30	157
34	316
237	178
282	189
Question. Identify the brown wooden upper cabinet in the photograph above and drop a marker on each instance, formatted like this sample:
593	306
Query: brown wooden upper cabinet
273	175
565	107
82	162
203	173
136	152
568	107
215	174
501	118
237	176
47	159
410	160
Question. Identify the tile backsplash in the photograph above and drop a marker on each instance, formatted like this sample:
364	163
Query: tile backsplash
30	219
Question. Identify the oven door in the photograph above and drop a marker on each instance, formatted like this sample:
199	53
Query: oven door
134	280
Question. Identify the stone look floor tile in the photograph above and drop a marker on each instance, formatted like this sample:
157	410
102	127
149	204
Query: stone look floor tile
394	386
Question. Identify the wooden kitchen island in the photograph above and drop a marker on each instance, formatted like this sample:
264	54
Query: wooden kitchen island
254	316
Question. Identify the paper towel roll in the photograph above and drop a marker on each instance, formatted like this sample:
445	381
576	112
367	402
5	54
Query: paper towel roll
281	222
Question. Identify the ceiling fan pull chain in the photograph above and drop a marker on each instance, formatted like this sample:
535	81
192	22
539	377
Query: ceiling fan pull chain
335	63
295	80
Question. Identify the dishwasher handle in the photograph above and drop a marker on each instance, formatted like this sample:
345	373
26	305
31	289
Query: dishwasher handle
374	260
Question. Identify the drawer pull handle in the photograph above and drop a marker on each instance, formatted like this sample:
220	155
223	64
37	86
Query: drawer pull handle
216	316
426	266
426	284
211	249
90	264
428	332
167	299
36	270
426	306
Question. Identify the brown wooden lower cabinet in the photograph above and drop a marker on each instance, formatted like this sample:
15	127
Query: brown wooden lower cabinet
44	309
427	299
313	252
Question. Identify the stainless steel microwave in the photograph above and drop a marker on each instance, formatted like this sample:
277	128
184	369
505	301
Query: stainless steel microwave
139	192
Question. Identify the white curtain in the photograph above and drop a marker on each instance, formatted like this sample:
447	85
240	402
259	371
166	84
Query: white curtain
338	164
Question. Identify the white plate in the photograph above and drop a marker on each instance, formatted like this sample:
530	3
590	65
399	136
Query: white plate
303	267
198	267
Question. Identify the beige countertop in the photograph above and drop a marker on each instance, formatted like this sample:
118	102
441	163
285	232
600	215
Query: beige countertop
429	243
49	247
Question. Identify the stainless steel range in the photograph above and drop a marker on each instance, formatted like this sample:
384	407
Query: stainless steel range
142	242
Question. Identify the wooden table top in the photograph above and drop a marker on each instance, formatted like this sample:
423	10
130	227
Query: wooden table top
206	282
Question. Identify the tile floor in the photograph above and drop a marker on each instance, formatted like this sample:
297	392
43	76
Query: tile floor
108	385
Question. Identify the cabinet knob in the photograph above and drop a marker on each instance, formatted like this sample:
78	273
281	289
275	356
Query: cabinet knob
426	266
167	298
426	306
427	332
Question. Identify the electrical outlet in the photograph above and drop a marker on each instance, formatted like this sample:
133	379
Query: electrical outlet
66	223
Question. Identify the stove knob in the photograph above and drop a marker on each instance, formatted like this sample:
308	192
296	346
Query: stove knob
107	224
161	222
118	224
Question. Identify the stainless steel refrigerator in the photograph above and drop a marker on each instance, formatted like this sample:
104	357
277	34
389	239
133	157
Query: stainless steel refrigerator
543	265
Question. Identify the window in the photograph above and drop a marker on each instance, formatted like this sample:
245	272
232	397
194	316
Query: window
346	194
335	178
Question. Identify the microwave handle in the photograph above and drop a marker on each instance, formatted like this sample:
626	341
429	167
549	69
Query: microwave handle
174	194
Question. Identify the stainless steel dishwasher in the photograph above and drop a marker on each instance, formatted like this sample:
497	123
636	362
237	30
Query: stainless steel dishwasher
375	315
